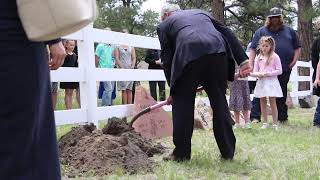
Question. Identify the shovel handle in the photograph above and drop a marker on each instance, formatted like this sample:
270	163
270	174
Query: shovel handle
158	105
155	106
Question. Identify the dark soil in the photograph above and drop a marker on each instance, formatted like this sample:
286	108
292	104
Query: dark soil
101	152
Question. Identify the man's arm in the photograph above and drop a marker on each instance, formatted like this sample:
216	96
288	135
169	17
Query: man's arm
134	58
252	56
297	53
315	50
297	48
235	45
58	53
166	53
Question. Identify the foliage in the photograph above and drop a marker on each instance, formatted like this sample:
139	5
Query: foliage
246	16
126	14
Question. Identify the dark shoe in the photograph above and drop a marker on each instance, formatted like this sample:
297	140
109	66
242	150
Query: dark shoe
172	157
283	121
226	158
316	125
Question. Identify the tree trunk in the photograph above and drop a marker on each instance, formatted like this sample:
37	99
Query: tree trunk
217	10
305	34
305	28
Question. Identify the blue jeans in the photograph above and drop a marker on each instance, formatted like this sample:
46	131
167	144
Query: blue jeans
107	93
316	119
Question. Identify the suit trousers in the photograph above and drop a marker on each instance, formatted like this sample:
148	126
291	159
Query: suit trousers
210	71
162	90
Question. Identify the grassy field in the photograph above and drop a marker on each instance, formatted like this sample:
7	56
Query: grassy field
292	152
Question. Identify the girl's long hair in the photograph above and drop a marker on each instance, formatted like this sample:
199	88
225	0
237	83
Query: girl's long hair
271	42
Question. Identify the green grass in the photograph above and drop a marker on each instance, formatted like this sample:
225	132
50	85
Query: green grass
292	152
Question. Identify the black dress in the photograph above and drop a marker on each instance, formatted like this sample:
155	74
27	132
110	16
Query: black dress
28	148
70	61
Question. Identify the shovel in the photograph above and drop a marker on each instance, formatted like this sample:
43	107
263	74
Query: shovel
148	109
155	106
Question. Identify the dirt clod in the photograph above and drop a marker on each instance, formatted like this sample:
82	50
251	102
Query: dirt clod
86	149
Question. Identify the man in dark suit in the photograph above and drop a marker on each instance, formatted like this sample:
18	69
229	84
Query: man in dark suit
197	50
153	59
28	147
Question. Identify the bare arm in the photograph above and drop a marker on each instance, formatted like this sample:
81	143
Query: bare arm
252	56
296	56
133	58
58	53
96	60
118	63
317	79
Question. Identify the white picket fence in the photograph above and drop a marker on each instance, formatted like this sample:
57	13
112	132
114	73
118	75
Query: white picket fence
88	76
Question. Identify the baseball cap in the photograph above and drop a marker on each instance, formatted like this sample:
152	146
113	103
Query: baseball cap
275	11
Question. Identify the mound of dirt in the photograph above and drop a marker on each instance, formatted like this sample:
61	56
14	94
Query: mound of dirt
88	150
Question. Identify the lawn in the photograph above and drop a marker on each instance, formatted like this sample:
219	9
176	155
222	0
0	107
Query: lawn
292	152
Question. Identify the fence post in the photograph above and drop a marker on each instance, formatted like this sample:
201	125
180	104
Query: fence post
88	92
295	85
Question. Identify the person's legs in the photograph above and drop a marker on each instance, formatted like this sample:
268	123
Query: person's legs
129	96
68	98
255	113
78	96
316	119
183	113
27	132
274	110
54	94
162	90
246	116
107	93
281	102
215	82
236	117
124	97
264	113
153	89
133	92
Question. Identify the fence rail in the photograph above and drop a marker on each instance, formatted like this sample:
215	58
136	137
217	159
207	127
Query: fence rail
88	76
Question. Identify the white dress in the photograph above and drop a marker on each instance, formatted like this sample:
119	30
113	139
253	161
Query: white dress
268	86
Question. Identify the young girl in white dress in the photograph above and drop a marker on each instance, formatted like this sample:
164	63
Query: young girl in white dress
267	67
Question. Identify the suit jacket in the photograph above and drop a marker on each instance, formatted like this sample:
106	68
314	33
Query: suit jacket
187	35
151	56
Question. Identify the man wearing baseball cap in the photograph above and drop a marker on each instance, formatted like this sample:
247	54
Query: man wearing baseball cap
287	47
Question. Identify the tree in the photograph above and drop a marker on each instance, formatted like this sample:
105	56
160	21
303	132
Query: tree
126	14
305	13
218	10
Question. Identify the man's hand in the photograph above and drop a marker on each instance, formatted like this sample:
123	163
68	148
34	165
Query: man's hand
291	65
316	83
245	70
58	53
158	62
169	100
